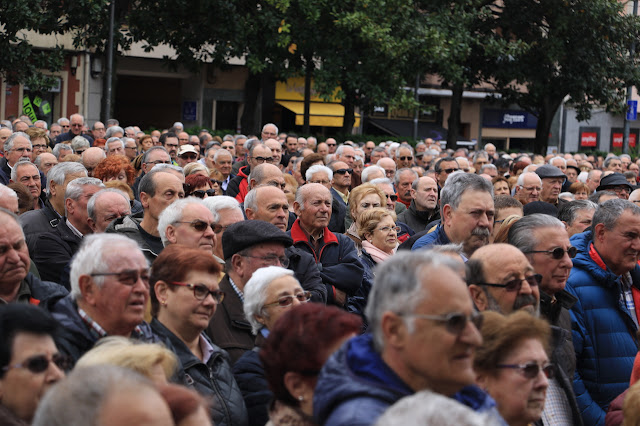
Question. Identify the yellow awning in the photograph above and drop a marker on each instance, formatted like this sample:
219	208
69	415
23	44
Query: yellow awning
320	113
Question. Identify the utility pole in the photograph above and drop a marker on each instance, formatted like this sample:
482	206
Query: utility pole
632	52
108	73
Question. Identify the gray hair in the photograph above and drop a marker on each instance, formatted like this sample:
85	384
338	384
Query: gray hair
396	178
520	181
221	202
368	170
75	188
522	232
255	293
488	167
91	205
165	167
608	161
551	160
112	140
398	287
173	214
479	154
236	138
301	193
319	168
569	212
258	173
92	257
610	211
59	172
270	124
458	183
147	183
44	123
79	142
402	146
251	200
63	120
86	389
21	163
145	157
5	192
381	181
8	144
113	129
61	147
219	153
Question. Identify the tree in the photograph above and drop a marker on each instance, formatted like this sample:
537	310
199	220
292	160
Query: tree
575	48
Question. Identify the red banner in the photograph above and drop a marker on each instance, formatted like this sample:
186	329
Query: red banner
589	139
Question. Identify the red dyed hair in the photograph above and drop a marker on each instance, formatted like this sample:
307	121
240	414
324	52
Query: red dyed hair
110	168
299	342
174	263
195	181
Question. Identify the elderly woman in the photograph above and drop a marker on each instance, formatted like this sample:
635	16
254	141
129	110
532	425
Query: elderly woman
379	235
361	198
512	365
115	167
197	185
195	168
292	374
270	293
184	296
144	143
500	186
580	191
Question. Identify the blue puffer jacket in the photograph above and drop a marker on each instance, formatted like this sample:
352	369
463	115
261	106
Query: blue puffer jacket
436	237
355	386
603	332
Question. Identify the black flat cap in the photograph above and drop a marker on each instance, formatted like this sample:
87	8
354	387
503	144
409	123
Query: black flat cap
576	168
614	179
248	233
549	171
540	207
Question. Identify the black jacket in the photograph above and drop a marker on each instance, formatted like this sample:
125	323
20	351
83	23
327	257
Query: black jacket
306	271
53	252
213	379
249	374
418	220
37	222
44	293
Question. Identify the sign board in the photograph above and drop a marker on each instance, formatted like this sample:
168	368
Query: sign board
507	118
189	110
632	112
588	139
617	138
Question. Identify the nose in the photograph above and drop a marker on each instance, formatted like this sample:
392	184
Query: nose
525	288
13	255
471	335
541	381
54	373
208	232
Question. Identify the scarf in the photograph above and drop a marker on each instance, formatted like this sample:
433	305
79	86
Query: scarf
376	254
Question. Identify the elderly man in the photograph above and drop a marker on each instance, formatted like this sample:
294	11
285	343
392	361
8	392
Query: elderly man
616	182
158	189
226	211
389	167
392	198
17	284
9	199
269	204
403	157
324	176
266	174
613	164
480	158
605	279
332	145
341	271
269	131
76	122
577	215
528	188
130	148
593	179
26	173
424	204
188	222
27	335
53	250
258	154
552	180
35	223
545	242
16	147
341	181
104	207
412	304
45	161
403	180
61	150
183	138
98	130
444	167
91	157
109	294
187	154
154	155
114	146
467	213
248	246
222	162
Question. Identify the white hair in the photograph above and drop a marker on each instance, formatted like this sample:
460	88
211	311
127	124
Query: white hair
221	202
520	181
173	214
318	168
112	140
5	192
582	177
557	158
21	163
255	293
368	170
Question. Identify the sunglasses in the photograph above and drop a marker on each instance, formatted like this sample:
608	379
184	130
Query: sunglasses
343	171
392	197
216	182
285	301
200	193
201	291
201	226
558	252
263	159
40	363
516	283
448	171
531	370
129	277
405	158
190	156
455	322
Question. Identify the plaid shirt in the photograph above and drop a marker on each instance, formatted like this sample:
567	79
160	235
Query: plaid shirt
557	411
237	290
95	329
627	296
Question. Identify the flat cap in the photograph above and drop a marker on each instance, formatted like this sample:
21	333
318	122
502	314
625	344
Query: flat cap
549	171
614	179
248	233
540	207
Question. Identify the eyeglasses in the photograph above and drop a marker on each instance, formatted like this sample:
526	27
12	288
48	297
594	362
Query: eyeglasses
331	144
558	252
201	291
201	225
343	171
200	193
189	156
216	182
455	322
39	146
448	171
620	189
171	145
531	370
392	197
387	229
285	301
405	158
40	363
159	162
271	260
516	283
321	182
129	277
263	159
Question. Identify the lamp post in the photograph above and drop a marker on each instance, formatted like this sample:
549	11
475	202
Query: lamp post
108	74
632	51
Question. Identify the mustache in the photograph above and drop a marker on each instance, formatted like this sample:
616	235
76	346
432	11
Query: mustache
480	232
524	300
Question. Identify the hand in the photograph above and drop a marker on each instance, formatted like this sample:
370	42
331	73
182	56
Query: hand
341	297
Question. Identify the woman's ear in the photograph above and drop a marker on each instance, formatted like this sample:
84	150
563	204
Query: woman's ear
298	386
162	289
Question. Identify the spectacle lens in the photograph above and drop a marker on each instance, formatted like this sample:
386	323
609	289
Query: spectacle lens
343	171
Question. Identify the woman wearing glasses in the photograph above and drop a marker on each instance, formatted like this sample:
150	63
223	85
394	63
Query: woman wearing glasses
361	198
379	235
269	294
512	365
197	185
184	296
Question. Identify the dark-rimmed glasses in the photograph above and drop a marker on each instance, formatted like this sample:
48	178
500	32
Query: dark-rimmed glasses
448	171
531	370
343	171
129	277
271	260
409	158
455	322
285	301
200	193
261	160
558	252
201	291
40	363
201	225
516	283
392	197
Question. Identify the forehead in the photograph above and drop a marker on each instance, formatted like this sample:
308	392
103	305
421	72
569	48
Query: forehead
166	180
125	256
228	216
386	188
196	211
551	236
283	285
339	165
111	201
404	151
447	292
76	119
320	175
271	194
407	177
317	194
506	261
261	150
532	179
10	231
476	199
20	142
448	164
27	169
628	222
427	182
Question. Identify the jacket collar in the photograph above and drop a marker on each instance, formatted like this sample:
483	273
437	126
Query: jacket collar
298	234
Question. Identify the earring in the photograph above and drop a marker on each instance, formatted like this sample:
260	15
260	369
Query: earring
163	303
301	398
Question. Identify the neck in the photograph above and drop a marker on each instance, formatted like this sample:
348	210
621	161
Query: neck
237	280
111	329
9	294
58	205
343	189
82	227
315	233
189	337
149	224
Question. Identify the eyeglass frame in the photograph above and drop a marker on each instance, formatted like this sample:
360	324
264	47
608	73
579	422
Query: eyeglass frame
289	298
216	295
475	318
509	286
555	252
547	369
63	363
197	223
139	276
284	261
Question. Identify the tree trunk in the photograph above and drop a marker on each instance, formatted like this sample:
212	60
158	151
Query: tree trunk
307	93
454	116
251	91
545	117
349	115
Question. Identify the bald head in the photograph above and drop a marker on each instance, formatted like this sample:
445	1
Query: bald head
266	174
91	157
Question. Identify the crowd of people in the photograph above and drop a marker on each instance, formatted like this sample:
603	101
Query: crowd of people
166	278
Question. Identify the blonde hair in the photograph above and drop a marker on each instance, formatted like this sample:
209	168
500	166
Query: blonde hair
361	191
370	218
192	168
122	186
123	352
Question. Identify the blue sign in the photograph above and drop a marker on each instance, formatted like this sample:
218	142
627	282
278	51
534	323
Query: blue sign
505	118
189	110
632	112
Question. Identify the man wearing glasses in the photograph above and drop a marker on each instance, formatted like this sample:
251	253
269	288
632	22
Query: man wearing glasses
248	245
76	122
616	182
259	153
109	294
605	280
444	167
154	155
417	299
190	223
340	182
545	242
16	147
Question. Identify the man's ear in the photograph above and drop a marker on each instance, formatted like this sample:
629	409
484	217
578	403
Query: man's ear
144	200
413	193
249	213
296	208
479	297
88	289
53	188
599	231
447	212
69	206
237	264
394	329
171	234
